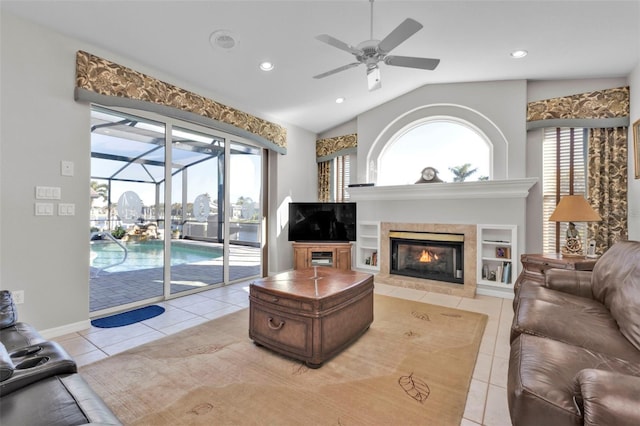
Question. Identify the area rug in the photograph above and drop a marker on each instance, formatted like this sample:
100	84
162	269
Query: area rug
412	367
129	317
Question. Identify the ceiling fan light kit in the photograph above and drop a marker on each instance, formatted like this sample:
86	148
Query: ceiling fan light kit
373	78
371	52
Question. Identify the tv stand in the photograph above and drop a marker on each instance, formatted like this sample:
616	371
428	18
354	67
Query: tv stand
334	255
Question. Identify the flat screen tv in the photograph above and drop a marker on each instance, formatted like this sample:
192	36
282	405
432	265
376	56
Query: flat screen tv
320	222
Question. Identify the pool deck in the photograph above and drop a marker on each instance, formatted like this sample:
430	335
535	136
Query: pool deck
109	290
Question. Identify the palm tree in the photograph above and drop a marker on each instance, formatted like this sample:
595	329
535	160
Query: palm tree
461	173
99	190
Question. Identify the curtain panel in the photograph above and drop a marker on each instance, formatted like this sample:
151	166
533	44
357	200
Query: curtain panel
606	113
101	81
607	185
330	148
324	181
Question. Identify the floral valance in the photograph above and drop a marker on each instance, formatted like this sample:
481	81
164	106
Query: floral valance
101	81
329	148
602	108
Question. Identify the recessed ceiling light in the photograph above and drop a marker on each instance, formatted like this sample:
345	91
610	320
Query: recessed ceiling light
517	54
223	40
339	100
266	66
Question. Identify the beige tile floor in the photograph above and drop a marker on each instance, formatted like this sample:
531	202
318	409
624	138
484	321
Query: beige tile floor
487	398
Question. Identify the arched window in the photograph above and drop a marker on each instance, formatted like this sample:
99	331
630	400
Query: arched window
431	132
453	146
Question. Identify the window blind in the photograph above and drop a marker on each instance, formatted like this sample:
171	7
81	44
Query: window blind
564	173
341	178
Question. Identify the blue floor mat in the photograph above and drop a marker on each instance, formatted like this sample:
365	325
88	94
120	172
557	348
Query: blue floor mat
130	317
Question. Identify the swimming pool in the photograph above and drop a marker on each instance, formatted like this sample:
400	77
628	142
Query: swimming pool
147	255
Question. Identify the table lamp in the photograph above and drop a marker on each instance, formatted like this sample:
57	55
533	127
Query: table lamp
573	208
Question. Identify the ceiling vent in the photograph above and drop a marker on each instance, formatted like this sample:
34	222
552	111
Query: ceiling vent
223	40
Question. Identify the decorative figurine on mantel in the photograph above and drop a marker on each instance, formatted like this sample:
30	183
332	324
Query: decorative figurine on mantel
429	175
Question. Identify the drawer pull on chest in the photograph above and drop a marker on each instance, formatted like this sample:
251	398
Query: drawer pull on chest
274	326
274	299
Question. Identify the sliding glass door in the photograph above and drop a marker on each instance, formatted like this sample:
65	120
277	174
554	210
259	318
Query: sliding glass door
126	232
175	221
245	213
197	191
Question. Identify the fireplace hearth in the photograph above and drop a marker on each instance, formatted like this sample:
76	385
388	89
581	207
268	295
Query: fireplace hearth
433	256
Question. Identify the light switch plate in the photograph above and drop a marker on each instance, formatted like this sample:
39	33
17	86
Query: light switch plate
44	209
48	193
66	209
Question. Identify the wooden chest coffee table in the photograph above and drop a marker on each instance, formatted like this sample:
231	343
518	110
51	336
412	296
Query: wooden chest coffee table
310	314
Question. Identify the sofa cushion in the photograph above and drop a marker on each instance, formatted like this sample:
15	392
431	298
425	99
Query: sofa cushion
541	379
589	325
8	311
616	283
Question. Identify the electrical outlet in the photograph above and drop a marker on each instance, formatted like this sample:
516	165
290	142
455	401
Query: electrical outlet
18	296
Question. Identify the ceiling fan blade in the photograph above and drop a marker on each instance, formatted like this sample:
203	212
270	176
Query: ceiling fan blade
332	41
337	70
373	78
402	32
411	62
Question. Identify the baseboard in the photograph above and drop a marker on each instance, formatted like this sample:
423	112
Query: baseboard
494	293
51	333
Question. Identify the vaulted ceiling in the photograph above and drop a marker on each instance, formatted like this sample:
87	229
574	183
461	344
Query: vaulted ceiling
473	40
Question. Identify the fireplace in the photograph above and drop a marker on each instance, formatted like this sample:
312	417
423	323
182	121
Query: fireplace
441	234
433	256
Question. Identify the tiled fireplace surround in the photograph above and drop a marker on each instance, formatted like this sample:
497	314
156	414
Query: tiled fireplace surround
468	289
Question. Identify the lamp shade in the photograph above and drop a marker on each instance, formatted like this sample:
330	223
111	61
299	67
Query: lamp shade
574	208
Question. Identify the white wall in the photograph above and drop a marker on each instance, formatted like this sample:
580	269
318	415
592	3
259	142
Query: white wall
501	103
48	257
296	179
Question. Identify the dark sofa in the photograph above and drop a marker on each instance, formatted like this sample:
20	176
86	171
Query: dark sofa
39	382
575	345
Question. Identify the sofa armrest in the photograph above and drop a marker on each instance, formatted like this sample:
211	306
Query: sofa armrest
6	364
577	283
607	398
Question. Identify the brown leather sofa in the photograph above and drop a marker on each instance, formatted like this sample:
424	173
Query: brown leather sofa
575	345
39	382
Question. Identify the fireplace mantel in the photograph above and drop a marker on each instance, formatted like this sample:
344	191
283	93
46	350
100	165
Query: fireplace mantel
512	188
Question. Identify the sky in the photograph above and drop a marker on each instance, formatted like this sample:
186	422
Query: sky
202	179
439	144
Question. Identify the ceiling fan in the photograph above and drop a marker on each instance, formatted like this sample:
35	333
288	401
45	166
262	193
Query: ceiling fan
371	52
